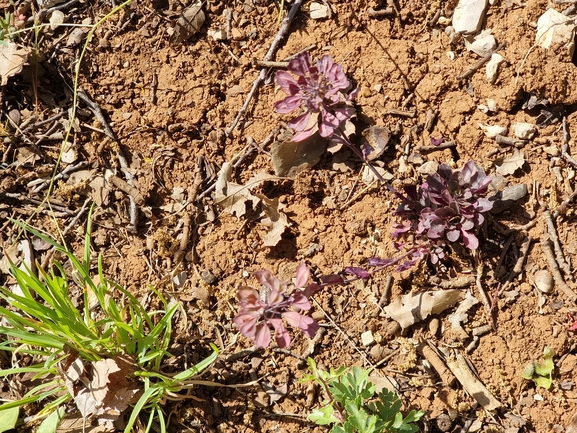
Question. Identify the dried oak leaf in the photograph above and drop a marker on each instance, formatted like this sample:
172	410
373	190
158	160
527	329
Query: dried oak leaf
12	59
510	164
276	221
232	197
190	22
101	389
413	308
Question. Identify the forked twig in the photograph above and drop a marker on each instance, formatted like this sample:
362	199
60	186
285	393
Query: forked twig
269	56
556	244
554	268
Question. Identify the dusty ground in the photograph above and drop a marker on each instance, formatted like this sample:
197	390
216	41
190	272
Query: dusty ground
169	106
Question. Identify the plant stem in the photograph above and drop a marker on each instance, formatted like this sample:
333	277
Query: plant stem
339	135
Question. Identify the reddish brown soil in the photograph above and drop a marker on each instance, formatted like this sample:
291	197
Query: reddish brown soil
169	106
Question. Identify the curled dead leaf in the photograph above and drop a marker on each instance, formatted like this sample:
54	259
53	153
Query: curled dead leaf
510	164
190	22
413	308
12	59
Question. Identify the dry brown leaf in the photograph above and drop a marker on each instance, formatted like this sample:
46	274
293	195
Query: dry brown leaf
188	24
100	389
413	308
290	158
232	197
12	59
276	221
510	164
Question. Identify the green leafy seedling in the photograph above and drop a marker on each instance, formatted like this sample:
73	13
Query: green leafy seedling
351	405
541	372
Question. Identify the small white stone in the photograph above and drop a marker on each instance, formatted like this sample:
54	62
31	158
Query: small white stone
552	150
468	15
538	397
318	11
428	167
554	28
367	338
493	67
544	280
492	105
483	44
524	131
483	108
217	35
492	131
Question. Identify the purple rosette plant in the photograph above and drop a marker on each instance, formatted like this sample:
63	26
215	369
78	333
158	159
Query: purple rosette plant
449	207
322	95
274	304
321	91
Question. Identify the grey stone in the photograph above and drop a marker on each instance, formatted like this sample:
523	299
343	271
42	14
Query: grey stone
505	199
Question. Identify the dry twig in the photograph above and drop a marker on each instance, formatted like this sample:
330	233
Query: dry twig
554	268
556	244
475	67
269	55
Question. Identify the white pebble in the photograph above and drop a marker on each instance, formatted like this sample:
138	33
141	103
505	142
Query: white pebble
524	131
493	67
367	338
492	131
468	15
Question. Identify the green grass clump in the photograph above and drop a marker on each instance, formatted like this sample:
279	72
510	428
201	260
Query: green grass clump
41	320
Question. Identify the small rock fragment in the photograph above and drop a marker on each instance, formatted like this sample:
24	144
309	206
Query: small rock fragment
319	11
483	44
552	150
468	15
208	277
492	131
505	199
367	338
544	280
217	35
554	28
524	131
428	167
492	68
492	105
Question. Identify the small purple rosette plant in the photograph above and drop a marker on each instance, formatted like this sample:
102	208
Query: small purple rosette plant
321	91
449	207
273	305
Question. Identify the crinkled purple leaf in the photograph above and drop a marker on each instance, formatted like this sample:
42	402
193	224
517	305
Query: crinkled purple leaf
374	262
483	205
358	272
287	83
288	104
267	279
437	141
300	301
453	235
302	275
311	289
281	334
307	324
262	336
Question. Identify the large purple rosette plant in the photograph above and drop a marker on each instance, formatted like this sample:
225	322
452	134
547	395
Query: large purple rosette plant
321	91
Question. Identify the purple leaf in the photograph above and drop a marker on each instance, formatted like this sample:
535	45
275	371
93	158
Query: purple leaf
435	141
332	279
262	337
374	262
358	272
302	276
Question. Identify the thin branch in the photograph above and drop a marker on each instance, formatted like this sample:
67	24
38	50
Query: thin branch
268	57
